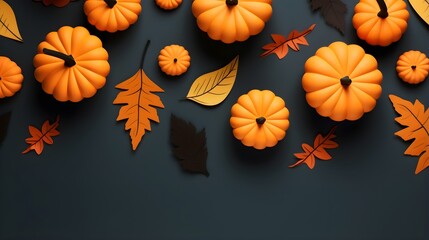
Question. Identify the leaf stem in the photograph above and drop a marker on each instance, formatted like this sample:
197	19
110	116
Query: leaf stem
383	9
144	53
68	59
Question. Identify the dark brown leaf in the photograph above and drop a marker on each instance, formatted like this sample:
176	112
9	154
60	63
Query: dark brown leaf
189	146
333	11
4	124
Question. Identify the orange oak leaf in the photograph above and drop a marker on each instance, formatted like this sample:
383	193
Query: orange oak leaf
281	44
140	100
318	150
38	138
415	119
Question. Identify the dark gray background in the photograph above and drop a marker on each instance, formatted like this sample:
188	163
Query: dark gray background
90	184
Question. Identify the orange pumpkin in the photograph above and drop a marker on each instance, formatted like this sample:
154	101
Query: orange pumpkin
174	60
341	81
412	67
380	22
56	3
71	64
231	20
259	119
10	77
112	15
168	4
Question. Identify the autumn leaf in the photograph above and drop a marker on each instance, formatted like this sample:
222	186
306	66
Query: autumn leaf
212	88
8	24
189	146
318	150
333	11
422	8
415	119
140	100
38	138
281	44
4	124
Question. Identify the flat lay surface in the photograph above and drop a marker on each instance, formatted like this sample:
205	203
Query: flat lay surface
95	182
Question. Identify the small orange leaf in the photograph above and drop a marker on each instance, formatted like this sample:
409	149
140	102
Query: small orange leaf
317	151
140	100
415	119
38	138
281	44
423	162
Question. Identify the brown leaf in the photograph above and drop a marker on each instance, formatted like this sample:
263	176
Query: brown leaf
189	146
318	150
333	11
8	24
415	119
140	100
281	44
38	138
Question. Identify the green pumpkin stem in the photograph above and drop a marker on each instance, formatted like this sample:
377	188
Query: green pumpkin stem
231	3
345	81
68	59
260	120
110	3
383	9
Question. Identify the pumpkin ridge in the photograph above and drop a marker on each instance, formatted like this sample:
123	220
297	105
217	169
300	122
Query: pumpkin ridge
251	19
127	13
64	37
331	101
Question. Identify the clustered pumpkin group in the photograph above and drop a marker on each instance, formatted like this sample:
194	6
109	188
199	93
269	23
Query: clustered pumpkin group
340	81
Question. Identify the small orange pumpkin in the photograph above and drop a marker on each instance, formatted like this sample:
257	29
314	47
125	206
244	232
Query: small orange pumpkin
71	64
341	81
259	119
380	22
174	60
168	4
412	67
231	20
10	77
112	15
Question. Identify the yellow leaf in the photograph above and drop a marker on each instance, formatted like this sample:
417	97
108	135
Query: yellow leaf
140	100
422	8
8	25
212	88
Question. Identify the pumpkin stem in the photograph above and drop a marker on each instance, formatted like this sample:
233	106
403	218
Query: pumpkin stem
231	3
413	67
345	81
175	60
383	9
110	3
68	59
260	120
144	53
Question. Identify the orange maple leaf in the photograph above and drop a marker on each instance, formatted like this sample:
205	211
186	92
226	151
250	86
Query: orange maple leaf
281	44
140	100
38	138
317	150
416	122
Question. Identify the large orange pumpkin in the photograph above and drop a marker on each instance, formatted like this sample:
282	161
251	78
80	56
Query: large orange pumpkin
259	119
341	81
380	22
112	15
231	20
412	67
10	77
71	64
